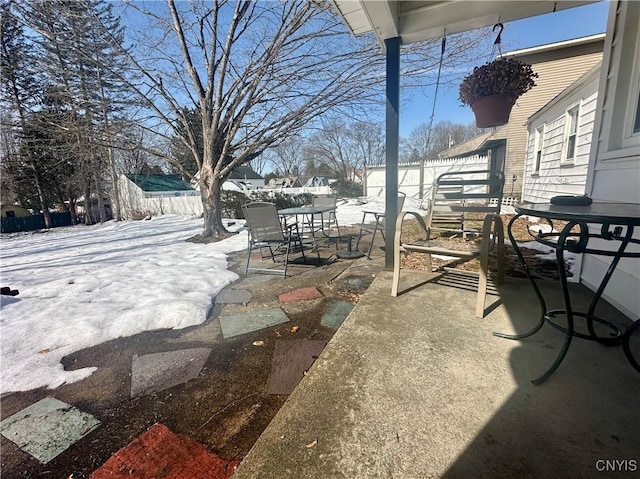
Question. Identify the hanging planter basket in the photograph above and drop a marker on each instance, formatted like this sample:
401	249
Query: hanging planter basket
492	110
492	89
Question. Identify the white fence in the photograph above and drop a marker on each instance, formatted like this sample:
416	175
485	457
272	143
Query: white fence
409	174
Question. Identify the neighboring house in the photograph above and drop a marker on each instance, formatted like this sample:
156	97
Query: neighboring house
13	211
558	65
316	181
81	209
559	141
146	195
245	178
288	182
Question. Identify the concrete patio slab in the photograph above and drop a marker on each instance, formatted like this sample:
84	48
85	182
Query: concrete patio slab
234	296
336	313
300	294
236	324
255	279
159	371
417	387
291	360
313	273
47	428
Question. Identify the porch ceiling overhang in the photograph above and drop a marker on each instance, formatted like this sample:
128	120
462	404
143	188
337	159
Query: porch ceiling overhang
418	20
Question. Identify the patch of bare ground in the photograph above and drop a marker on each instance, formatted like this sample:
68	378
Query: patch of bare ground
522	229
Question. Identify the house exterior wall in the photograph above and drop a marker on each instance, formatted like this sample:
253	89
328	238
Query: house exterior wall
614	163
557	69
135	204
555	176
409	174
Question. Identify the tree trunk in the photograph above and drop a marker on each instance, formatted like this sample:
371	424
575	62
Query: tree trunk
115	189
72	211
95	166
211	204
88	209
42	196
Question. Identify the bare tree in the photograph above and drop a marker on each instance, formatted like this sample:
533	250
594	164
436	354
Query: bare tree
424	143
287	156
258	72
347	147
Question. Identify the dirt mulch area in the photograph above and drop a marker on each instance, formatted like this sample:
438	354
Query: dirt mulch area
521	232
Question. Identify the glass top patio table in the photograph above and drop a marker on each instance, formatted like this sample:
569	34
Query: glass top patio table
305	210
309	212
616	223
603	213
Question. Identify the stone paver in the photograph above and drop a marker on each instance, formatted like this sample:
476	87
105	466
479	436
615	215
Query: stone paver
234	296
236	324
336	313
47	428
300	294
291	360
159	371
161	453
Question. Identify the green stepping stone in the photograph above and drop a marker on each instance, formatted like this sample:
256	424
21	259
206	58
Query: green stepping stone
47	428
336	313
228	296
159	371
236	324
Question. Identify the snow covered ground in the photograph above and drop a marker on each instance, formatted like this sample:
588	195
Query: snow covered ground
85	285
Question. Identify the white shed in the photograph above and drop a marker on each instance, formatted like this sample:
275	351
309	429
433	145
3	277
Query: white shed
148	195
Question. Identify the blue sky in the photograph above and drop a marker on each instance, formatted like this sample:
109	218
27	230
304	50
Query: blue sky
549	28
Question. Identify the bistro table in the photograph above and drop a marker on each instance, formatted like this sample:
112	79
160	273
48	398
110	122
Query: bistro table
587	230
308	213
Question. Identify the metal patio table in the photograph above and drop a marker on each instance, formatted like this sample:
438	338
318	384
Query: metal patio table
613	223
307	213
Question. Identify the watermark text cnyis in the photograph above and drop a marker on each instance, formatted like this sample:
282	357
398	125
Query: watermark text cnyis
617	465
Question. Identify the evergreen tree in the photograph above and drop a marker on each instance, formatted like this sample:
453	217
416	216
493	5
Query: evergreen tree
20	92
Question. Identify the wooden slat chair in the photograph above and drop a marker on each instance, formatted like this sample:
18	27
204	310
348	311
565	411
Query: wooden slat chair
375	224
455	198
266	232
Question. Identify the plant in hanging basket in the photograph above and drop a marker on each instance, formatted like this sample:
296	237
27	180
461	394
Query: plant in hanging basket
496	85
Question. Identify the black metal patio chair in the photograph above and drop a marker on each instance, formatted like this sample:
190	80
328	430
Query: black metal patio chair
266	232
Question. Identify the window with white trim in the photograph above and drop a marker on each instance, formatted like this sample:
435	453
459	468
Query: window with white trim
539	141
570	135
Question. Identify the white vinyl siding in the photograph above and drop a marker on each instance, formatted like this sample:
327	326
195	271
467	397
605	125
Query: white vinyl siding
556	175
557	70
614	166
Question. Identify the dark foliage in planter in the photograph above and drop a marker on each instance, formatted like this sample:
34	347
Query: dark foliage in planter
506	76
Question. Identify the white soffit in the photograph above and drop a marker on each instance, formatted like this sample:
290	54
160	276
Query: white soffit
418	20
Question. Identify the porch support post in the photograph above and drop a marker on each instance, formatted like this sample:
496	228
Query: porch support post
391	144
